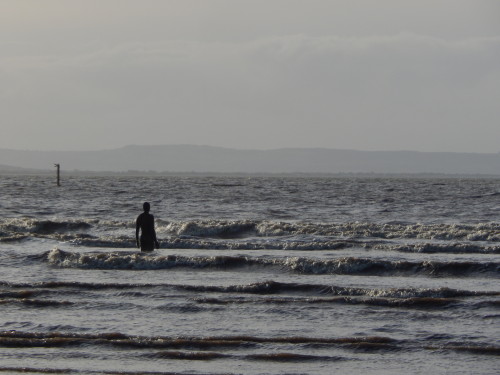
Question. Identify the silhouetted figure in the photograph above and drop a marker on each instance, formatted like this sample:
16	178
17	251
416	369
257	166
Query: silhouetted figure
146	224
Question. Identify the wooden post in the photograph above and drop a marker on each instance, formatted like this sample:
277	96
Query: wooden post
58	166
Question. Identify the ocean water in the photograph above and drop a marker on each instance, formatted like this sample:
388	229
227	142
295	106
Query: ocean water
255	275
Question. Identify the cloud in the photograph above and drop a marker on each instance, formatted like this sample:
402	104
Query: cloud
405	91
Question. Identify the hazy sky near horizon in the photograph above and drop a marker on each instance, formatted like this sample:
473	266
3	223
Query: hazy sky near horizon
418	75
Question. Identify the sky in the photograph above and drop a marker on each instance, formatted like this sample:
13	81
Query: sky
420	75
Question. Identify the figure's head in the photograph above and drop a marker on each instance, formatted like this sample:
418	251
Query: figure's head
146	207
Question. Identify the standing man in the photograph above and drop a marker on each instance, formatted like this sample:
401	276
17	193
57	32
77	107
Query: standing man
146	224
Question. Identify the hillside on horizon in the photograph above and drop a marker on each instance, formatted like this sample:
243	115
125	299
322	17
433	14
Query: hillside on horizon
205	159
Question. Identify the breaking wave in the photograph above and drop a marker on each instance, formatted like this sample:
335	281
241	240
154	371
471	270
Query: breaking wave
260	235
248	228
272	287
194	243
341	265
269	287
37	226
214	228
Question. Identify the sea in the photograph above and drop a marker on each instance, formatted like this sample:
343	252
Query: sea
254	275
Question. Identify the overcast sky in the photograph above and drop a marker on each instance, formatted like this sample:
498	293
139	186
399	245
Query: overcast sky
255	74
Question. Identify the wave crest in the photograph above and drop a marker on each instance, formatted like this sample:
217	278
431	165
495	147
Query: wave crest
341	265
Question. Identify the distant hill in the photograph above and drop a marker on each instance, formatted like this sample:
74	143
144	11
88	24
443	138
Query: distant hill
188	158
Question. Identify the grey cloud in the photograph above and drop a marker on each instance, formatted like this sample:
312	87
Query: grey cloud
404	91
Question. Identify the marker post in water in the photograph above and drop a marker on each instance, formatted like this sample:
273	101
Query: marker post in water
58	166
